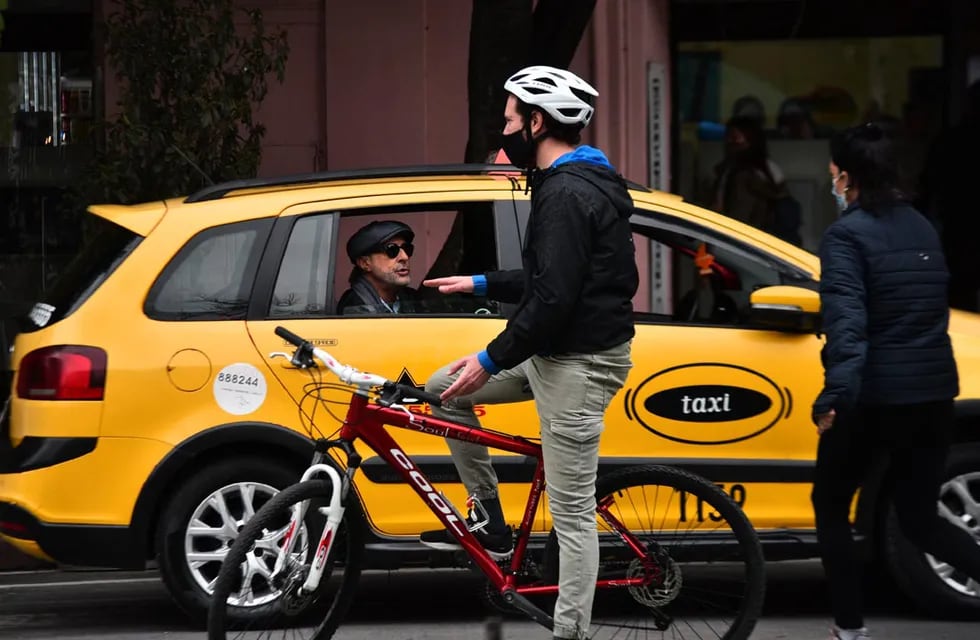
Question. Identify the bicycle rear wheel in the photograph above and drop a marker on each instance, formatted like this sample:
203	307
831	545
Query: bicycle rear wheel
250	601
703	571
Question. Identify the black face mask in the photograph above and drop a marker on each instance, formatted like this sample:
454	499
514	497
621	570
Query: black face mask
519	150
521	147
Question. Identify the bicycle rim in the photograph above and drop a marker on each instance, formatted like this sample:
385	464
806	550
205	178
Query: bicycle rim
251	602
703	571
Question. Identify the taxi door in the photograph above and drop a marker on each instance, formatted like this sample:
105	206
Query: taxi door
306	270
711	390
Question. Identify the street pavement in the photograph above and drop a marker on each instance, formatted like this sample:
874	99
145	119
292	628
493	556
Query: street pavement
404	605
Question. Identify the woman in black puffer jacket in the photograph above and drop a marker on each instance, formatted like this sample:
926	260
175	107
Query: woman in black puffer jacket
890	377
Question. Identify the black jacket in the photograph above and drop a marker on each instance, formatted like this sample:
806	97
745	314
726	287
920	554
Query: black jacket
363	299
885	311
575	291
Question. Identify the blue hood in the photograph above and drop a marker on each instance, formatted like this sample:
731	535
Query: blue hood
590	165
584	153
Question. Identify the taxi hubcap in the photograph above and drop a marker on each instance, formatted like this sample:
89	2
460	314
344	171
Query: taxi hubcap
959	502
212	529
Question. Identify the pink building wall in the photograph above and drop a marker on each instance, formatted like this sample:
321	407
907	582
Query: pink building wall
383	82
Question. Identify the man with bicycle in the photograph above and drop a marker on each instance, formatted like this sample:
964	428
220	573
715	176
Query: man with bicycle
568	341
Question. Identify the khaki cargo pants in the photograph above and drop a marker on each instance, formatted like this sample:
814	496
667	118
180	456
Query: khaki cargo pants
571	392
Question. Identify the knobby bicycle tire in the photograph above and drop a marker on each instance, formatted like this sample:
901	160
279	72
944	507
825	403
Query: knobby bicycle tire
684	551
325	614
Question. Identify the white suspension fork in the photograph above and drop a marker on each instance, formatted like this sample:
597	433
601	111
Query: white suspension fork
334	513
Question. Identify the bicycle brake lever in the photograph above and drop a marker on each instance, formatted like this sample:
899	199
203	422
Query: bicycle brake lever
411	416
293	360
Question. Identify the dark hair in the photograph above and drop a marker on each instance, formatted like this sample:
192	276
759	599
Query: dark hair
869	156
355	273
756	153
749	106
567	133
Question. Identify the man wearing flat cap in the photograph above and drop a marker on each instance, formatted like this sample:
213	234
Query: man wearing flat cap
380	252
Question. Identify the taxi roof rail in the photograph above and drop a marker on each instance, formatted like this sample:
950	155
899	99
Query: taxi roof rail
218	191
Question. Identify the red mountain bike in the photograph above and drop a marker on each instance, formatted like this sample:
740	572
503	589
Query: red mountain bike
294	566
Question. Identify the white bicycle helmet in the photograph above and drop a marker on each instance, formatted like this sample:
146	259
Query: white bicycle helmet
562	94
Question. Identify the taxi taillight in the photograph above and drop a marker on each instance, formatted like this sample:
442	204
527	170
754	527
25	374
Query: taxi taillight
63	372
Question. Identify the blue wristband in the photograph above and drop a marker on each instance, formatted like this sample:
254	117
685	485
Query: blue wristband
487	363
480	285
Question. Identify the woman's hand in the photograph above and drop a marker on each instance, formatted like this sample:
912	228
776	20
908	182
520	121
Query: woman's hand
825	421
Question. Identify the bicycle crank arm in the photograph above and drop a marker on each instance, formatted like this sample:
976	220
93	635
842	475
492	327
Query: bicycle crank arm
521	603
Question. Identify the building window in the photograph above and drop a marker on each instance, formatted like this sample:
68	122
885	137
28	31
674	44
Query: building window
801	91
48	103
49	96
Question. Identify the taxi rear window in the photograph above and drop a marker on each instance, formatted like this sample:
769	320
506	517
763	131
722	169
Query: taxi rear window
104	246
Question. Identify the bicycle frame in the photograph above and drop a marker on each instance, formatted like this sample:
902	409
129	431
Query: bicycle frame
366	421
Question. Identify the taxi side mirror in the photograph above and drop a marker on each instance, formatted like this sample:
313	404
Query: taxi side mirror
785	308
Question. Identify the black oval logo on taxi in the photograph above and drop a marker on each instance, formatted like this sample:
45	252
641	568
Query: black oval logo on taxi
676	404
707	403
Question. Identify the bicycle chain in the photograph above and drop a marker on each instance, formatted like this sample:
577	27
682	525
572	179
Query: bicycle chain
491	596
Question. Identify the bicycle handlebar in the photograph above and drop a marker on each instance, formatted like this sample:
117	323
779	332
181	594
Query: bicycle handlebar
290	337
350	375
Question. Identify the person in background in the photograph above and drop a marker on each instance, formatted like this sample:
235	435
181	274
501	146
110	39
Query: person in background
750	187
750	107
890	377
794	121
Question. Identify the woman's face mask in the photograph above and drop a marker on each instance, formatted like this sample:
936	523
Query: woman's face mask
839	196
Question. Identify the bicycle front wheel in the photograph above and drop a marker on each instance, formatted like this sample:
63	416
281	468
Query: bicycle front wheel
694	560
250	600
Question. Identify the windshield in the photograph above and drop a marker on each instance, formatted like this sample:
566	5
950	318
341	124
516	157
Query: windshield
104	246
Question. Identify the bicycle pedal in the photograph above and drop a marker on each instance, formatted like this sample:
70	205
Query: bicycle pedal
477	517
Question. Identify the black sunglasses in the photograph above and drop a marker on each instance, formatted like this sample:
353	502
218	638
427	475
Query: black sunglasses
392	250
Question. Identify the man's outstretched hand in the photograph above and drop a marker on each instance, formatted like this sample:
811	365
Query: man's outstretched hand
472	375
451	284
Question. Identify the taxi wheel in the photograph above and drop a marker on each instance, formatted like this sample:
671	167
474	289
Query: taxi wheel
935	586
199	523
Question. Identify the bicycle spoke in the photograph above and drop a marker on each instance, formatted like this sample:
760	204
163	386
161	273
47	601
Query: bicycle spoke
253	600
702	572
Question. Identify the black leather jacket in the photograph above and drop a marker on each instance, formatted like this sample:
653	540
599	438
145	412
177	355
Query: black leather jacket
362	299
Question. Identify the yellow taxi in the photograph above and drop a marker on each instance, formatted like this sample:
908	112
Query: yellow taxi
126	443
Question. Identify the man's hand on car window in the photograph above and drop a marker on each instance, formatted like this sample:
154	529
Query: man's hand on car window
472	376
451	284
